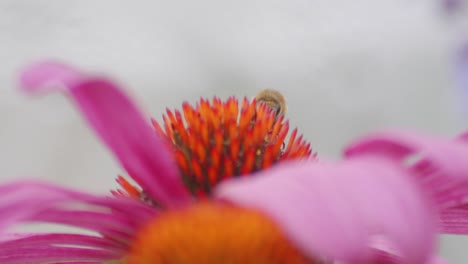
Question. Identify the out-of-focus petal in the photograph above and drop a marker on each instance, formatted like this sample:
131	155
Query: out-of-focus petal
49	75
52	254
440	157
452	6
384	257
440	164
119	123
454	221
112	221
336	210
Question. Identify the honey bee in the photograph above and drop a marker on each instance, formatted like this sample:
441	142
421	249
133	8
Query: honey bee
274	100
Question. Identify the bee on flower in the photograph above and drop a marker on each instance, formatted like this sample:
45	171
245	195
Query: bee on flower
214	184
274	100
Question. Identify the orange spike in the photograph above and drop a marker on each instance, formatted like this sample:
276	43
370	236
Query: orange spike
232	109
192	143
212	175
276	128
249	139
219	140
215	156
204	109
129	188
197	170
171	116
269	121
218	109
210	118
200	151
204	133
249	161
189	113
234	149
180	126
217	118
157	127
268	157
278	142
228	167
182	161
261	111
250	114
196	125
168	127
292	139
232	129
259	132
245	116
298	147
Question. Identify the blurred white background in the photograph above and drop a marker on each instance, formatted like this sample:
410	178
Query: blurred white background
346	68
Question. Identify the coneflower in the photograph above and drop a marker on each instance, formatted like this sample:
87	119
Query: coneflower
372	207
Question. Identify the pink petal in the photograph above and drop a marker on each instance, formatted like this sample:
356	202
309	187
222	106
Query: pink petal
441	167
454	221
336	210
60	247
48	75
35	240
113	221
443	170
383	257
51	254
118	122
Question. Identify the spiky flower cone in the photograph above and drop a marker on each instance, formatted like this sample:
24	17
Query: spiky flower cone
215	140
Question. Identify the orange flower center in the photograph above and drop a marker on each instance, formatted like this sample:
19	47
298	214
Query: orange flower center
217	140
210	233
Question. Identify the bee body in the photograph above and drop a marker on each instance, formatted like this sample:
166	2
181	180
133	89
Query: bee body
274	100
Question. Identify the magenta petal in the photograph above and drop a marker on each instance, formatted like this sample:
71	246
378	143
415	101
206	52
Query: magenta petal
392	184
48	75
60	247
336	210
37	202
441	169
113	223
118	122
51	254
383	257
36	240
454	221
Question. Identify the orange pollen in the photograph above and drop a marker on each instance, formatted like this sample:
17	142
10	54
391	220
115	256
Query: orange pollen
220	139
213	233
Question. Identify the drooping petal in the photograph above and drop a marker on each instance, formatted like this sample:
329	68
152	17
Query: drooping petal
454	221
336	209
49	75
440	164
112	221
119	123
383	257
442	170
